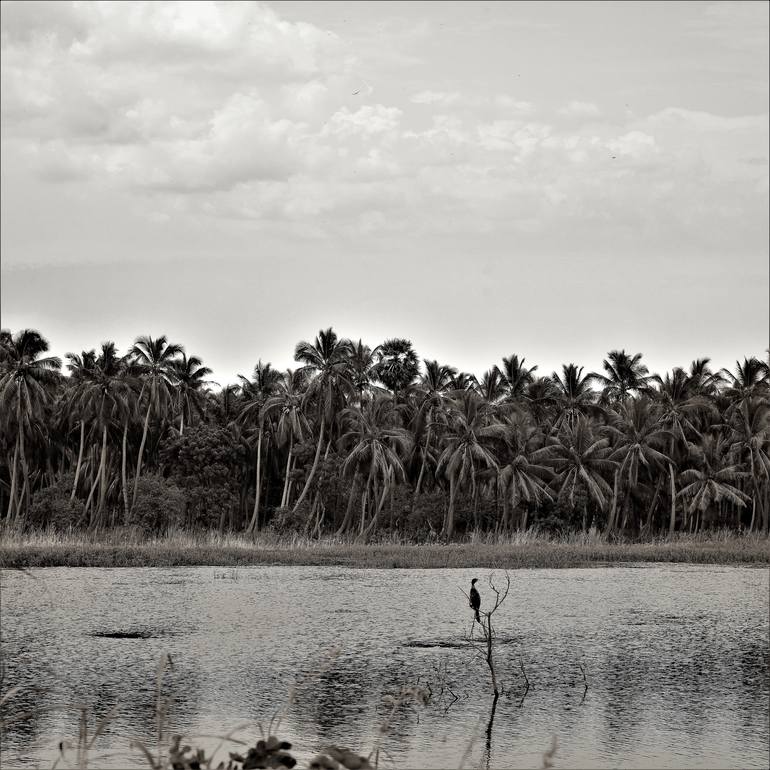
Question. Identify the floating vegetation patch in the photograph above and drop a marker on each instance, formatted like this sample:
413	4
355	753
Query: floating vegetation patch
133	633
437	643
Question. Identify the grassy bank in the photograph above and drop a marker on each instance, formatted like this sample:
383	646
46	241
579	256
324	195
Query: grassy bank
525	550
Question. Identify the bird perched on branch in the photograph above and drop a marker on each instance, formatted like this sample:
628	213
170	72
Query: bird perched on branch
474	599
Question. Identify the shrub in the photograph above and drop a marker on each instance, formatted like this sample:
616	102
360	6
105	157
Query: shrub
51	507
160	504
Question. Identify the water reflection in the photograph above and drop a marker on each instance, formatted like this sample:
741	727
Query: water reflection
676	662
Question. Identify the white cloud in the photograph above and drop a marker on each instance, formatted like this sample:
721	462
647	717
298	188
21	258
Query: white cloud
442	98
580	109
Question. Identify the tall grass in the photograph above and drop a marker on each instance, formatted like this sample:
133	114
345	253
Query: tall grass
520	550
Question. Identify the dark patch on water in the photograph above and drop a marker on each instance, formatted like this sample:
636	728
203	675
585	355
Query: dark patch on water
130	634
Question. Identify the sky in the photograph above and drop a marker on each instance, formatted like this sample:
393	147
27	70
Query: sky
555	180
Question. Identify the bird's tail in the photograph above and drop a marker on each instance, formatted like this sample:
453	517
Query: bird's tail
478	618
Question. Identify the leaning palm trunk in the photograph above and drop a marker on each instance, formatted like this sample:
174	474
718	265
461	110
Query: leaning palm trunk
141	445
450	515
12	496
102	478
422	469
124	477
672	520
80	459
648	521
351	501
285	494
614	508
254	523
317	457
25	492
385	489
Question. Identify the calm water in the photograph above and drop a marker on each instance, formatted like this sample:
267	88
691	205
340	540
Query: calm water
676	660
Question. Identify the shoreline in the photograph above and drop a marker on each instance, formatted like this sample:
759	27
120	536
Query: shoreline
525	552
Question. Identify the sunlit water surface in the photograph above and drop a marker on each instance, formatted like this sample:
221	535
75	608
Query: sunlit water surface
675	660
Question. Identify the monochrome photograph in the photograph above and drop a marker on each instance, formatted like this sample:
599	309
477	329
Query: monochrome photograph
384	384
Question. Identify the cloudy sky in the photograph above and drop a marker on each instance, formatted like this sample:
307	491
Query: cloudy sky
551	179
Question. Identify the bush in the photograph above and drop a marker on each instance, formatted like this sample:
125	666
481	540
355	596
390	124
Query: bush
160	504
51	507
286	521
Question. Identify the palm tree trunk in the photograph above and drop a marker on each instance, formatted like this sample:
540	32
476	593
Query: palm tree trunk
123	475
91	494
365	498
25	492
450	515
303	494
254	523
648	522
102	476
422	468
80	459
614	508
672	520
383	497
141	446
351	500
285	494
9	516
181	422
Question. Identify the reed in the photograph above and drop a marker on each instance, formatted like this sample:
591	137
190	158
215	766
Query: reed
519	551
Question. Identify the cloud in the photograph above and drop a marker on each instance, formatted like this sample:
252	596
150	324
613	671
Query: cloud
227	111
580	109
442	98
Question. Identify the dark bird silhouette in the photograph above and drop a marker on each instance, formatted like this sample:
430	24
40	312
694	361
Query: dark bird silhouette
474	599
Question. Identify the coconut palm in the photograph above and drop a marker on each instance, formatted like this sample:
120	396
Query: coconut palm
750	378
581	461
254	396
375	443
625	375
154	361
712	479
701	381
27	382
750	442
430	393
285	408
190	383
328	360
491	386
574	394
523	477
639	439
515	377
81	369
467	447
362	369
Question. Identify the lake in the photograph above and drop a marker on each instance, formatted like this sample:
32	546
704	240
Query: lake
676	662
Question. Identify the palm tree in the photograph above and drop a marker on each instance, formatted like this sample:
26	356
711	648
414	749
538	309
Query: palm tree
254	396
155	362
362	369
396	365
491	386
430	392
523	477
107	397
326	358
189	379
750	377
580	460
625	375
467	447
711	481
515	377
375	442
750	441
701	381
291	423
574	394
26	384
639	439
81	369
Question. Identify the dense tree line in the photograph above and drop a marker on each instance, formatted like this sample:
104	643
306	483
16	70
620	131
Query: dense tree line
358	440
